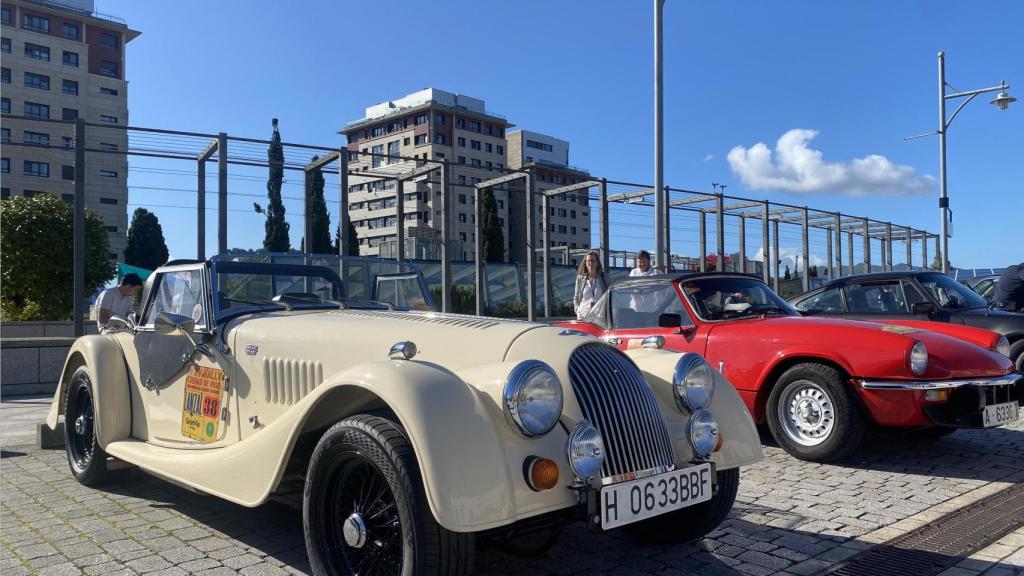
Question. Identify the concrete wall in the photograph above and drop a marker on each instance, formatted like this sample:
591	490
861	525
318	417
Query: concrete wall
31	365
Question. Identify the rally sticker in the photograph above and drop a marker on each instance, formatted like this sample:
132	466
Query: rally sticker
634	343
200	413
896	328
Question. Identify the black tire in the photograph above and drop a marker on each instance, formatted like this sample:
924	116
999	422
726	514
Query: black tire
1017	354
690	523
399	535
826	423
87	460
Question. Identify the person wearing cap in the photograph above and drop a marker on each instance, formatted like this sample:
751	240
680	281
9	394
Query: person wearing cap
117	301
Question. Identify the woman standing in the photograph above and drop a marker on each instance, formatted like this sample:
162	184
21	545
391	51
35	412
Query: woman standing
591	284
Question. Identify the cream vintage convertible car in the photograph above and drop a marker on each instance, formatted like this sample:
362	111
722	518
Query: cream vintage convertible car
408	434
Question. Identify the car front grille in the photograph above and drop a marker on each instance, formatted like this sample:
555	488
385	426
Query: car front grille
616	399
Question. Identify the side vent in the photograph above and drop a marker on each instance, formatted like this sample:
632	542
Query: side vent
288	381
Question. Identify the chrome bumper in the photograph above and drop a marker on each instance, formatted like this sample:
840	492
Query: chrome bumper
1011	378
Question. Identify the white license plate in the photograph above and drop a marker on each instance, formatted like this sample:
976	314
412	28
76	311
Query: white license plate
999	414
629	502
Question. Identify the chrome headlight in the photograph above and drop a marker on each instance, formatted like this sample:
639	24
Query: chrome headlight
918	358
533	398
1003	346
693	383
586	451
703	433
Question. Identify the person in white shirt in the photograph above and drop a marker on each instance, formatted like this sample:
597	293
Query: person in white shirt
591	284
643	265
117	301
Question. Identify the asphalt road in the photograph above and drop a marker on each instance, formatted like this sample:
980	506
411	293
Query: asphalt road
791	517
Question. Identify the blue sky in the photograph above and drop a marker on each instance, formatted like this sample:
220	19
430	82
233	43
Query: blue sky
853	78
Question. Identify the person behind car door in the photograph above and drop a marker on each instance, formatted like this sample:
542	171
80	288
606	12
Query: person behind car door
117	301
591	284
1010	289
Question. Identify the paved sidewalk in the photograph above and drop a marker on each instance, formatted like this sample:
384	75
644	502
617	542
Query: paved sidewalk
791	517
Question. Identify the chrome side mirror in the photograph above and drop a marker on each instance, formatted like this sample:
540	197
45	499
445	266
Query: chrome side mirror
167	324
119	324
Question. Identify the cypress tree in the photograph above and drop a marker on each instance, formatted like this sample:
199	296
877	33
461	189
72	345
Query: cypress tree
146	246
321	243
493	241
787	276
353	240
276	239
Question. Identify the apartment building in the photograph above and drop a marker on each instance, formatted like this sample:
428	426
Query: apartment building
62	61
569	214
428	124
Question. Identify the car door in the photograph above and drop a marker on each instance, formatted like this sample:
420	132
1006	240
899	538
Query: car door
828	303
877	300
178	394
635	311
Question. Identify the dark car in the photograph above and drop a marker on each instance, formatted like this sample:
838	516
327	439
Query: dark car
985	286
912	296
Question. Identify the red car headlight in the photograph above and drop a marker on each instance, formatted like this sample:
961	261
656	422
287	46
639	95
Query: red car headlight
918	358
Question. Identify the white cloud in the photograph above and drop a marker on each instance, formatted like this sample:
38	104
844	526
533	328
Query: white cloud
790	257
800	169
709	157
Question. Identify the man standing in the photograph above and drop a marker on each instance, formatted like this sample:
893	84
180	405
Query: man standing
1010	288
643	265
117	301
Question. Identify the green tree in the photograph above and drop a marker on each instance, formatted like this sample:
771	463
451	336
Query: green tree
276	239
787	276
37	267
353	240
146	246
321	217
494	241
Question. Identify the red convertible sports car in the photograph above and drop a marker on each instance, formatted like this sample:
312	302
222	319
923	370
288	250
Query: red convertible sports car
817	382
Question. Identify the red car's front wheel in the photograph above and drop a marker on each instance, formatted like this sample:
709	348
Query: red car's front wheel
812	414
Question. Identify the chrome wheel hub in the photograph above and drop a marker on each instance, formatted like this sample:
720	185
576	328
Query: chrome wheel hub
807	413
81	424
355	531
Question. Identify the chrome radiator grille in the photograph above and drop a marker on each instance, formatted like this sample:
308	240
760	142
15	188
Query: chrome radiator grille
615	398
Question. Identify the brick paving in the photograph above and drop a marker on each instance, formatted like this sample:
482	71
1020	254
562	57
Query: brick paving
790	518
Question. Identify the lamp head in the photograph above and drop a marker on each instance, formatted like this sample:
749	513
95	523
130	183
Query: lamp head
1003	100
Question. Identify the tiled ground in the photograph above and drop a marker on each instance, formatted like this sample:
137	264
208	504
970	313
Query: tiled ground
791	517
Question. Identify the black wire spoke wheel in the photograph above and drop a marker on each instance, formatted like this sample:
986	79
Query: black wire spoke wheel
87	460
364	528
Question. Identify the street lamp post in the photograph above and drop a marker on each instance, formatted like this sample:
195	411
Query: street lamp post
1002	101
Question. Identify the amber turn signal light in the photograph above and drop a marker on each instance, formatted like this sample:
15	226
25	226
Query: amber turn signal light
541	473
721	440
936	395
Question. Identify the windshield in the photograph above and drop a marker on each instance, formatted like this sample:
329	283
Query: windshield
728	297
949	293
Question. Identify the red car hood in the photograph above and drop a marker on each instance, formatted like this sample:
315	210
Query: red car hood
980	336
888	345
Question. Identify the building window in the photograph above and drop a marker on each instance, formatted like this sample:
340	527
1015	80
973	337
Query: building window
5	105
108	146
439	119
5	165
462	159
376	160
35	138
109	41
5	134
69	114
377	131
501	149
111	228
462	179
562	212
34	110
70	87
405	141
108	68
488	164
501	166
5	75
488	147
538	145
70	30
460	122
112	201
475	162
439	139
421	139
30	193
5	192
71	59
501	204
474	144
67	172
462	141
462	218
108	119
108	173
474	126
69	198
420	119
37	23
37	81
32	168
5	15
393	152
462	198
37	52
108	91
5	45
438	156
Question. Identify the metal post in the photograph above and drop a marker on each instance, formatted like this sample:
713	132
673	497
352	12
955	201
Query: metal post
867	245
805	247
938	252
888	246
775	254
766	266
909	247
720	225
839	245
400	218
828	253
201	210
307	212
743	245
446	262
943	197
78	251
660	200
343	219
603	223
668	232
924	251
702	235
545	203
222	193
478	247
849	253
531	237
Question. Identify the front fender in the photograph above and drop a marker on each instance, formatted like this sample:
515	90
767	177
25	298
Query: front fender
111	392
741	444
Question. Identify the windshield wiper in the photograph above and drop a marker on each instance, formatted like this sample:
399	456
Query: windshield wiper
284	305
763	311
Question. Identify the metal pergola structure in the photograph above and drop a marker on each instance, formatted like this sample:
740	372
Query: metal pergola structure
205	148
